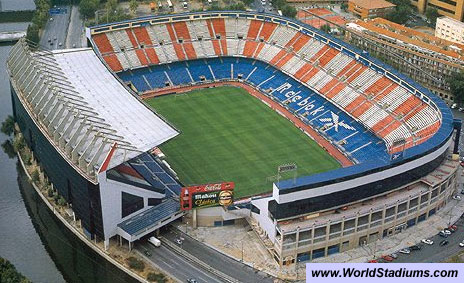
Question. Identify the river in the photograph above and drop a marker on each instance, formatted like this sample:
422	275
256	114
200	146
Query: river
31	238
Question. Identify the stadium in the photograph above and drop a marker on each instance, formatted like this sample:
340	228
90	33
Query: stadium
327	148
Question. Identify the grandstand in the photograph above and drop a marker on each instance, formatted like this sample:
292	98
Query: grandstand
389	134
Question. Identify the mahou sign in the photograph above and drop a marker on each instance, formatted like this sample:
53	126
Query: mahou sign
207	195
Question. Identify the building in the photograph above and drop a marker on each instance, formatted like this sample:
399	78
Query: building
425	58
451	8
96	139
450	29
370	8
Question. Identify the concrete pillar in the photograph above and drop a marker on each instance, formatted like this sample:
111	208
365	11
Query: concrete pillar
194	219
107	244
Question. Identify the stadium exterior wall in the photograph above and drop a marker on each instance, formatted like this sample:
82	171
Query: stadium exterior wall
339	191
83	195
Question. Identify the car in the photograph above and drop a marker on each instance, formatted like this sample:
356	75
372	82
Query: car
456	197
387	258
54	38
405	251
372	261
454	106
147	253
74	45
192	280
51	43
415	248
447	231
59	44
179	241
49	39
461	244
461	109
454	227
462	191
51	19
427	241
394	255
451	229
443	234
444	243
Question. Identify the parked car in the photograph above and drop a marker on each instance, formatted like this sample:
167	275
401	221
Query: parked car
147	253
192	280
387	258
415	248
461	244
427	241
446	231
456	197
179	241
443	234
462	191
444	243
405	251
372	261
454	227
454	105
394	255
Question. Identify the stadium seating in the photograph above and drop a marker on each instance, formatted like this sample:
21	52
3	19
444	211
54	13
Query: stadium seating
268	55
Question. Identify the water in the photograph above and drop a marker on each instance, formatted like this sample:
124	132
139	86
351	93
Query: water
31	238
16	5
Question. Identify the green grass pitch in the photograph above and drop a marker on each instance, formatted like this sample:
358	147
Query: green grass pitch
228	135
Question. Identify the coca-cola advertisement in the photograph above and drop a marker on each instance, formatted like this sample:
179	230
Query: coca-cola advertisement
207	195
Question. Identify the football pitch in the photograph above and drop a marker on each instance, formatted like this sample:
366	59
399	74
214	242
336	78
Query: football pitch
228	135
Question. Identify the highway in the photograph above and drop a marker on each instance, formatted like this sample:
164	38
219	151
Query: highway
175	264
182	269
56	29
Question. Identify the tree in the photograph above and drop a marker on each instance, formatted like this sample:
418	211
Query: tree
288	11
456	83
88	7
133	5
111	5
400	14
326	28
8	273
344	6
432	15
8	125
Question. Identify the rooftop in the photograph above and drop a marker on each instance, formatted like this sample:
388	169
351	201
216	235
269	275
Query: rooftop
373	4
135	123
451	21
408	35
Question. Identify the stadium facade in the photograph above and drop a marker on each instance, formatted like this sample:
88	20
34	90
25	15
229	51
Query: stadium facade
81	113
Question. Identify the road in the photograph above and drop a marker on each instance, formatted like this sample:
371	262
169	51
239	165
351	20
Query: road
76	33
56	29
175	264
267	7
217	260
182	269
435	252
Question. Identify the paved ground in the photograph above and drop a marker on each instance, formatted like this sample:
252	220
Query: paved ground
56	29
174	264
227	265
435	252
76	33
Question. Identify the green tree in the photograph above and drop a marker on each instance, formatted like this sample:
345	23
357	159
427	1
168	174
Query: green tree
288	11
432	15
88	7
8	273
111	5
133	5
8	126
456	83
326	28
32	33
400	15
344	6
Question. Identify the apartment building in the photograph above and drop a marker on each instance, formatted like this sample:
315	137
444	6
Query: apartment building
451	8
370	8
450	29
427	59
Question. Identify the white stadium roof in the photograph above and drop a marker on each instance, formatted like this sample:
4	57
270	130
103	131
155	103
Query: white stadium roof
111	100
83	109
